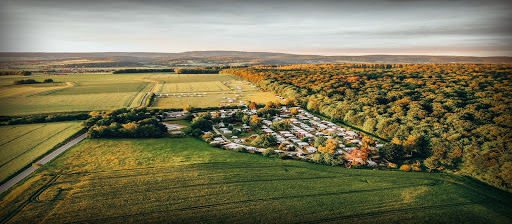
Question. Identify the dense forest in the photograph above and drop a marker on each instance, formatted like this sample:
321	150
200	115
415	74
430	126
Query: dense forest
457	117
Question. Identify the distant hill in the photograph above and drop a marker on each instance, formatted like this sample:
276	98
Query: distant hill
205	58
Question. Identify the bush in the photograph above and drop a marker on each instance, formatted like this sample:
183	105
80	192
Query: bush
241	149
405	167
283	156
25	81
269	153
48	80
264	141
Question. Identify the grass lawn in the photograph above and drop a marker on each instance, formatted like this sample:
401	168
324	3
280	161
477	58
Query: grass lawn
187	181
20	145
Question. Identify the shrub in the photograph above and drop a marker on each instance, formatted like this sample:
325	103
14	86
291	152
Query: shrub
25	81
264	141
405	167
415	168
269	152
241	149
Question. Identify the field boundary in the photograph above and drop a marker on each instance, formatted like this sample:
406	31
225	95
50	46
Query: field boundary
31	148
70	138
144	100
137	94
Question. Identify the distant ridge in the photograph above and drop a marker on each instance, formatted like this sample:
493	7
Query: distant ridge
252	58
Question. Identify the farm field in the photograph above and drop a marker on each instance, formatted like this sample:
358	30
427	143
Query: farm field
20	145
81	92
216	86
197	87
185	181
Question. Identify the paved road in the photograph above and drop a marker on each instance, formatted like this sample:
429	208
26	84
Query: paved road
4	187
218	132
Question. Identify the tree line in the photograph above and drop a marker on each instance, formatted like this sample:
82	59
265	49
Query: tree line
30	81
23	73
144	70
125	123
196	71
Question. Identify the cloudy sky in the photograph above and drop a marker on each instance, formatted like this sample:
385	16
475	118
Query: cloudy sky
433	27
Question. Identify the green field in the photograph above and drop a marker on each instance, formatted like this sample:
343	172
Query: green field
194	87
186	181
211	84
89	92
80	92
189	78
20	145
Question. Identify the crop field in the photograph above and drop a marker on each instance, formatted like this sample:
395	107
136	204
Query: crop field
212	84
196	87
22	144
187	181
81	92
87	92
189	78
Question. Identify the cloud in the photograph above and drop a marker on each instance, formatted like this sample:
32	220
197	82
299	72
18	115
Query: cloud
167	26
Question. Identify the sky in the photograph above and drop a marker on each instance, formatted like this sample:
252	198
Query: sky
322	27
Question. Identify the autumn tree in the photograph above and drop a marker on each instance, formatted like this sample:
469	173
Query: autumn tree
294	111
331	146
253	106
255	121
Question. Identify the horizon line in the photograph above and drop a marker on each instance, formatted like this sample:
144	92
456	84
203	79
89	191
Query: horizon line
272	52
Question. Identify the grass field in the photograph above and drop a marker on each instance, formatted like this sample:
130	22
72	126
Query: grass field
194	87
176	84
88	92
188	78
186	181
81	92
20	145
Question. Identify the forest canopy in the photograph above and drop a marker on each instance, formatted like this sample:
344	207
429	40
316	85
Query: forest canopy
458	117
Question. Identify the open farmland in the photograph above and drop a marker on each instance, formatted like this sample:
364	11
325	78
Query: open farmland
196	87
22	144
217	87
185	180
83	92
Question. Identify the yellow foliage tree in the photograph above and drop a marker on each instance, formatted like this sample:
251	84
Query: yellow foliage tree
252	105
330	146
130	126
405	168
294	111
269	105
94	113
255	119
396	141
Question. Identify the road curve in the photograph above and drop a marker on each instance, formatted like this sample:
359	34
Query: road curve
4	187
